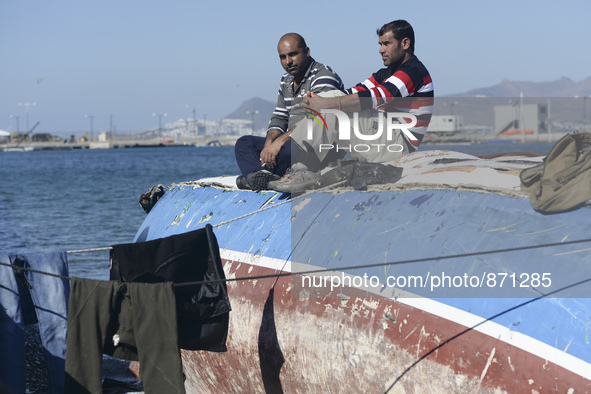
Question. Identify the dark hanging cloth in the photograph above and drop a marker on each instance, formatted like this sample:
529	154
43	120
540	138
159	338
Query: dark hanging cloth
202	310
135	321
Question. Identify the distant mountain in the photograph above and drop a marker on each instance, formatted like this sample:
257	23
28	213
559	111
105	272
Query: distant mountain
563	87
476	106
477	111
245	110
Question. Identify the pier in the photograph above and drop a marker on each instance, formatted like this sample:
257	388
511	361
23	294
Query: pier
121	142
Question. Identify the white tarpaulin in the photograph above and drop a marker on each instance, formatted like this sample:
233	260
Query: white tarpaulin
4	133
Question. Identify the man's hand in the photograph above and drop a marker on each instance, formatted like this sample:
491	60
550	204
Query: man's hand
346	103
314	101
269	154
273	144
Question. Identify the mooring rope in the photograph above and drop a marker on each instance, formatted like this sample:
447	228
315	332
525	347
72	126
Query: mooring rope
461	333
352	267
264	208
90	250
291	200
18	269
399	262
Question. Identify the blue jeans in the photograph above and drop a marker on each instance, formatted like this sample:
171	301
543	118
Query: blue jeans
50	299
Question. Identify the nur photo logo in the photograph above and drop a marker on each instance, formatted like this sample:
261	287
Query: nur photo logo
377	136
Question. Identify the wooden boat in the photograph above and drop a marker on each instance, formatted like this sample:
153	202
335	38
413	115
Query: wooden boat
450	214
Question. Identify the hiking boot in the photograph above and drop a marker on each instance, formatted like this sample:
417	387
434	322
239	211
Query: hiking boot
259	180
297	179
242	184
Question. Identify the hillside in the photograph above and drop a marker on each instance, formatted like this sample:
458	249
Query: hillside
245	110
563	87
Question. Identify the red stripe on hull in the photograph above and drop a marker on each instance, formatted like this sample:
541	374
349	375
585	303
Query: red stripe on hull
356	343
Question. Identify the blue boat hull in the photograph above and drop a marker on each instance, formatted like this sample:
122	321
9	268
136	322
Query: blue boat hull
302	333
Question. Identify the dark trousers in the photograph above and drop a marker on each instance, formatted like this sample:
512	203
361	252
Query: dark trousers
248	150
143	315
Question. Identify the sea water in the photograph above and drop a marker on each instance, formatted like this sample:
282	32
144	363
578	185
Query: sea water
80	199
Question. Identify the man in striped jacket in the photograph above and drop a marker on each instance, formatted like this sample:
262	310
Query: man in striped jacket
403	86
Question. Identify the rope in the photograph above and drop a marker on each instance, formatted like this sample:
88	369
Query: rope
421	260
353	267
428	353
264	208
436	348
90	250
19	270
281	203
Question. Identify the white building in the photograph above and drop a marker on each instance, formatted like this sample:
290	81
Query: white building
512	119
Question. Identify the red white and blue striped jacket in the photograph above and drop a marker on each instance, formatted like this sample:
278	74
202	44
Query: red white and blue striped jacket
407	88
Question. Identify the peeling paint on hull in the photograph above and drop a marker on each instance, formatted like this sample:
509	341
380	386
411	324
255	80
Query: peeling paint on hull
361	340
278	343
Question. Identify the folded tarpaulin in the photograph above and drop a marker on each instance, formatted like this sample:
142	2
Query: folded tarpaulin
202	310
28	297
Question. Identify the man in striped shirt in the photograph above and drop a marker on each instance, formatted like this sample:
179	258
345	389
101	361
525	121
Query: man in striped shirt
265	159
403	86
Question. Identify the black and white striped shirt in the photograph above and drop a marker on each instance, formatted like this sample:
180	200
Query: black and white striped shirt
318	78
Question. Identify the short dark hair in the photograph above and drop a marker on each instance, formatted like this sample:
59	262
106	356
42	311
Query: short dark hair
400	29
301	41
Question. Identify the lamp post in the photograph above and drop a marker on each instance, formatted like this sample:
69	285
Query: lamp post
549	122
111	126
194	110
585	112
17	117
160	124
451	106
91	117
252	114
515	122
27	105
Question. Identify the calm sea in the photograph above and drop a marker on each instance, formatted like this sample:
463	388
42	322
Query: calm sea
79	199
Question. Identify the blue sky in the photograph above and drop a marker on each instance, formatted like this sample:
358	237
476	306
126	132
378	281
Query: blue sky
134	58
